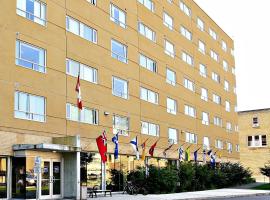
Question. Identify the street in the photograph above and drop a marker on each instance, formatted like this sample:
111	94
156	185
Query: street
260	197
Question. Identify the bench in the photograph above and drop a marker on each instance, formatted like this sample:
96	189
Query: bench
94	191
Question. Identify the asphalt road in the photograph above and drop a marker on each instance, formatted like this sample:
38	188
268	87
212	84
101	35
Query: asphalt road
260	197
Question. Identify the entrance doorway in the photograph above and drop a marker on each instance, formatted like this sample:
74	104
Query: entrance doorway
51	175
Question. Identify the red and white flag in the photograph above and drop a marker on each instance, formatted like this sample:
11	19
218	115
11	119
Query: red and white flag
102	146
79	96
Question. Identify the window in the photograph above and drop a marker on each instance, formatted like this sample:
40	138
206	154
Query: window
86	73
213	34
224	46
29	107
147	32
33	10
170	77
215	77
227	106
200	24
234	90
214	55
219	144
205	118
201	47
257	141
86	115
185	8
169	48
189	85
94	2
149	129
229	147
225	65
190	111
120	125
216	99
203	70
206	143
226	86
148	63
30	56
148	95
191	138
186	33
78	28
232	52
228	127
233	70
237	148
168	21
172	133
119	51
120	88
255	122
236	128
171	106
204	94
118	16
217	121
149	4
187	58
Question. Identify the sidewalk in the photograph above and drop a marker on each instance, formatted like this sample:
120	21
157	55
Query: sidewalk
208	194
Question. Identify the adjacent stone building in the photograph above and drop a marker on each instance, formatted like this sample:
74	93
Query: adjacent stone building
254	134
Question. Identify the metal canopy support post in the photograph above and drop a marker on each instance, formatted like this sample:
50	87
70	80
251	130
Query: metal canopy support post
103	176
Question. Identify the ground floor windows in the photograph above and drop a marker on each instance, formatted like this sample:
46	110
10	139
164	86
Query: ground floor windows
3	177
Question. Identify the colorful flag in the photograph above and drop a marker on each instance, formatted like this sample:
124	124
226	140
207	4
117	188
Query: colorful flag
134	144
79	96
209	152
204	156
115	141
102	146
143	150
187	154
152	149
181	153
167	149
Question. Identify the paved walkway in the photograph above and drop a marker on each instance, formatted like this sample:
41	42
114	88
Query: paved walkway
208	194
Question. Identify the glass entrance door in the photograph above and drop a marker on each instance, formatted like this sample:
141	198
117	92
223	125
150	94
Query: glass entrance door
51	179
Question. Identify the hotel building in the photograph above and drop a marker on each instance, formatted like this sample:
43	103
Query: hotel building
161	70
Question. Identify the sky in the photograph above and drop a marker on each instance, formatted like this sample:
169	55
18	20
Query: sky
247	23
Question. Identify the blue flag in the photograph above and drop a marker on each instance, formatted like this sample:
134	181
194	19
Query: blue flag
115	141
196	155
213	161
134	144
180	152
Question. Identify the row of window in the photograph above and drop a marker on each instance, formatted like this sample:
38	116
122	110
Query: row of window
257	141
36	11
33	57
32	107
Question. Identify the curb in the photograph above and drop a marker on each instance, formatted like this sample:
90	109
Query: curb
229	196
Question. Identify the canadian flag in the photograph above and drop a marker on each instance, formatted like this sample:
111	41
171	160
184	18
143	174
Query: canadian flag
78	90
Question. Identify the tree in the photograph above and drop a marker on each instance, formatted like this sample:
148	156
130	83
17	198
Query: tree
266	170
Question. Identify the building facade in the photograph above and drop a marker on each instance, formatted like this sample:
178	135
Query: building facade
157	69
254	126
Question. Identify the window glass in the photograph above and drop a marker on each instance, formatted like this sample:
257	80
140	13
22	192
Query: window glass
203	70
149	4
168	20
171	106
120	88
172	135
170	77
169	48
204	94
118	16
120	125
148	63
119	51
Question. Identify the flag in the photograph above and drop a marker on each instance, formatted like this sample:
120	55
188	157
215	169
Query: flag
204	156
213	161
115	141
167	149
143	151
181	151
187	154
102	146
79	96
152	149
134	144
209	152
196	155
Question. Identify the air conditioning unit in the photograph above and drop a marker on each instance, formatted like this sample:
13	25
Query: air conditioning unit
255	125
